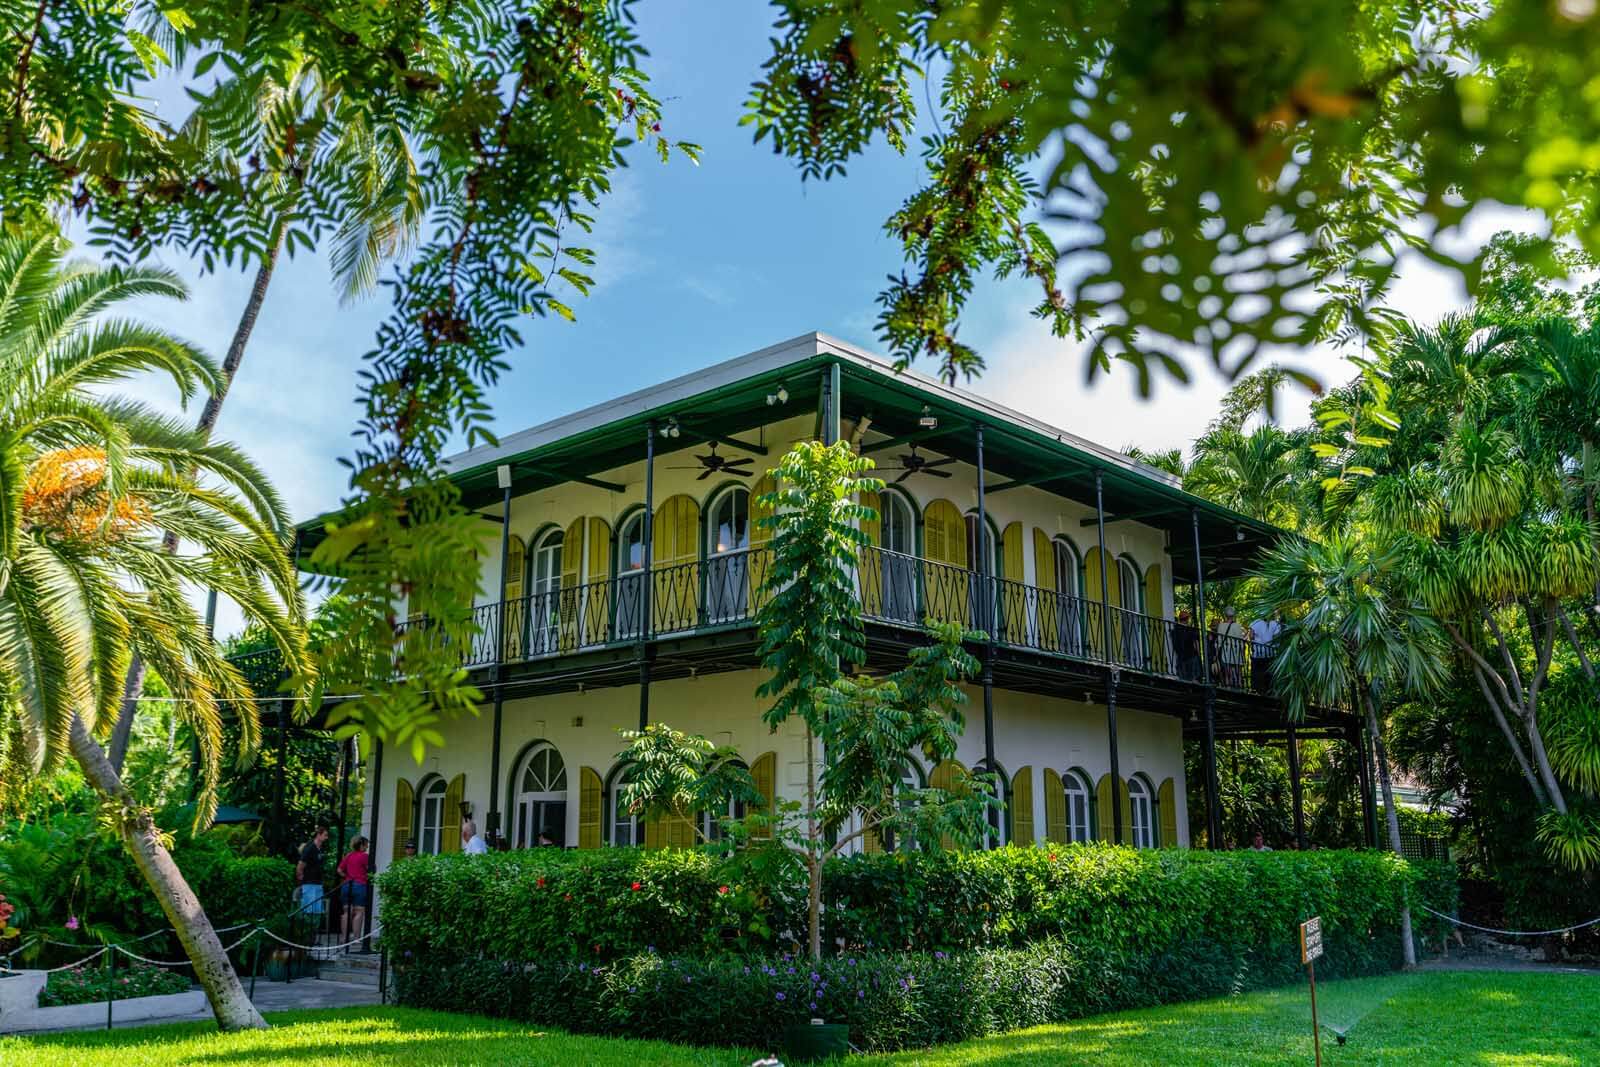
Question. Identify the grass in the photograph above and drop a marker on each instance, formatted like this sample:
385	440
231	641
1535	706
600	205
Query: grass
1494	1019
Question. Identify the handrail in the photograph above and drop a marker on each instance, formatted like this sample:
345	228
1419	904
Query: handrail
895	589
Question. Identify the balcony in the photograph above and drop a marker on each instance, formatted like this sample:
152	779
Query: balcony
896	591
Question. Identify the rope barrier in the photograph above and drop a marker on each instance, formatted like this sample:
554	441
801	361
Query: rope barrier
1510	933
183	962
79	963
311	948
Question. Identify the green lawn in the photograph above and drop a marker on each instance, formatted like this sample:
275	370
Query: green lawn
1495	1019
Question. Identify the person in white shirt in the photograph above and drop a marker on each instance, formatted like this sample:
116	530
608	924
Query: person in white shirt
1263	650
471	842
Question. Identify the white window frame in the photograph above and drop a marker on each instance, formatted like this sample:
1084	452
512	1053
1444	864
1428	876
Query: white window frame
544	587
1142	806
1079	798
616	816
727	567
528	802
431	796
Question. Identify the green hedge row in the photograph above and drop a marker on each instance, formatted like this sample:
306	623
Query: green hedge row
546	904
929	947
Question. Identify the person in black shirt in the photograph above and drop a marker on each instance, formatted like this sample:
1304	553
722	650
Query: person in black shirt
308	873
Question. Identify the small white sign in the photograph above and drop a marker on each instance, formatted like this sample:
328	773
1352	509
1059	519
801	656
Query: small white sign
1310	939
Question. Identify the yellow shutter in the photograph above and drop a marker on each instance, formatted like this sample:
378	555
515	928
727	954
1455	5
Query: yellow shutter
514	612
1104	614
946	775
1022	806
1155	632
680	833
944	541
674	552
760	536
404	802
1168	810
1044	576
1055	809
1102	805
591	808
596	589
764	772
653	837
1013	609
1127	814
571	578
450	831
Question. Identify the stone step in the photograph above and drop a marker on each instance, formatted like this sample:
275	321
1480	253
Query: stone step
360	978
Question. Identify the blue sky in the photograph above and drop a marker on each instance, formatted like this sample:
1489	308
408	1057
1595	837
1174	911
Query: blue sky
697	265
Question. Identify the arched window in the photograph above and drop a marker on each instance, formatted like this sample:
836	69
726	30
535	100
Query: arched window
430	816
1078	794
630	576
1131	587
1142	808
626	828
1134	641
1003	783
1069	568
898	537
545	586
728	555
912	777
711	821
539	797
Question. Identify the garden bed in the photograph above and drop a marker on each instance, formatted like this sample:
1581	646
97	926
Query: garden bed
21	1010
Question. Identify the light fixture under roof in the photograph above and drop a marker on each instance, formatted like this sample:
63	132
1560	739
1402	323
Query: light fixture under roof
670	428
779	397
928	420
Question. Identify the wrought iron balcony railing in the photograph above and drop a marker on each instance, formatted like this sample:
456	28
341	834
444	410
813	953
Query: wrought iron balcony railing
895	589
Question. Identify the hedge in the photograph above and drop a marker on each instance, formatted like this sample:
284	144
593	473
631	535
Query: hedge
951	944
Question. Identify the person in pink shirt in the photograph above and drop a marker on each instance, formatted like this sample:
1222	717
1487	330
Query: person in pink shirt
354	893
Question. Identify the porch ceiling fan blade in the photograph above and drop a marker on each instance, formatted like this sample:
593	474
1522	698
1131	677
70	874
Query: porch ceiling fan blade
939	462
936	474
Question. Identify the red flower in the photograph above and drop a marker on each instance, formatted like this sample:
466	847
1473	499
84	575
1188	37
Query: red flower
567	897
539	883
722	889
637	887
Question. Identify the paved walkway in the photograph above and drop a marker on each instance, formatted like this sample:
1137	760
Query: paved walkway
274	996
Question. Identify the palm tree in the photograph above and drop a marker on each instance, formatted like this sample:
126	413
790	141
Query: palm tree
1348	634
381	212
87	487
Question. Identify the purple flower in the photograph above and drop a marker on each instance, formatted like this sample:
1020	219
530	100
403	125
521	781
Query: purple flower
72	922
860	994
779	995
747	970
633	989
904	984
938	955
583	966
815	977
813	1005
791	970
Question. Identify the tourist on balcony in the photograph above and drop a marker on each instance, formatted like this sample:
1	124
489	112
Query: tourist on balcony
1263	650
1232	639
1186	643
472	843
354	891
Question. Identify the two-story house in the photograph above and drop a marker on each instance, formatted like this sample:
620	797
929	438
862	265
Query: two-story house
623	570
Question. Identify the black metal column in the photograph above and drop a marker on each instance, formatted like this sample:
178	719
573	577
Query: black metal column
345	759
1369	813
491	825
278	804
1297	792
1111	670
375	785
829	408
986	611
647	579
1213	793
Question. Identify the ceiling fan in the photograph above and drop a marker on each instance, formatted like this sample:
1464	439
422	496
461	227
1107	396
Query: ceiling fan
713	463
911	463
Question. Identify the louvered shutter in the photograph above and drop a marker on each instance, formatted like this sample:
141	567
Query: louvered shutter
514	610
1168	809
946	775
571	579
591	808
675	554
869	567
1013	606
450	831
596	605
1055	809
1105	821
760	536
1155	630
1044	576
1022	806
945	575
405	800
653	837
764	772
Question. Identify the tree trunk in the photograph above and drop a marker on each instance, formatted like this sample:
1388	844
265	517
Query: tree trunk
1511	738
133	687
1408	948
813	853
142	839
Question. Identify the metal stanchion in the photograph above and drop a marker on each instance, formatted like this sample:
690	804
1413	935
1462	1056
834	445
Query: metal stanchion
111	980
255	969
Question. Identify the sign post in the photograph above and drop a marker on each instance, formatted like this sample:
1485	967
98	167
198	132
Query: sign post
1310	949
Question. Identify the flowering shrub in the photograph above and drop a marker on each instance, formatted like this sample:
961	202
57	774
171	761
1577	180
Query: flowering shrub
82	985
